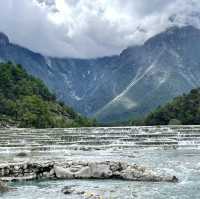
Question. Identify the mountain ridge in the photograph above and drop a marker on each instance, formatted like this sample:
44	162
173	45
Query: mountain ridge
137	81
164	47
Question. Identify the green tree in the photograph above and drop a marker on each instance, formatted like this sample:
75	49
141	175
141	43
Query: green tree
26	101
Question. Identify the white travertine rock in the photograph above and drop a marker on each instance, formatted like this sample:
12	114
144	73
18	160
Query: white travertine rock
80	170
85	172
63	173
100	170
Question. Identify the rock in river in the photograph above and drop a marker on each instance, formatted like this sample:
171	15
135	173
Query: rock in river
81	170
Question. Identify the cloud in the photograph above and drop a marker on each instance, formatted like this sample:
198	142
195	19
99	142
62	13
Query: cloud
91	28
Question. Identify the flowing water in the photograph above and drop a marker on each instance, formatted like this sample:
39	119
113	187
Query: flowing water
169	150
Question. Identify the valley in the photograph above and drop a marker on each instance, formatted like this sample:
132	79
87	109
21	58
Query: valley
120	87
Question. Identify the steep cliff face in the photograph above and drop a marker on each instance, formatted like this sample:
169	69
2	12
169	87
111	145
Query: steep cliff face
119	87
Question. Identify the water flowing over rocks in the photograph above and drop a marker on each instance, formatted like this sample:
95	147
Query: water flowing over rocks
23	142
80	170
59	155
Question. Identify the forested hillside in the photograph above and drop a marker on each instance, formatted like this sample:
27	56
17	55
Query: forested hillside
182	110
26	102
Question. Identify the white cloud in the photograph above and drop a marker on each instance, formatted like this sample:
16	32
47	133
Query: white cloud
90	28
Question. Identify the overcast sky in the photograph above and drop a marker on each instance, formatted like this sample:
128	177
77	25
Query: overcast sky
91	28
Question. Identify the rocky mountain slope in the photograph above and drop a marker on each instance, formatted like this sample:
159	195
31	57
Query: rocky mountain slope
119	87
167	66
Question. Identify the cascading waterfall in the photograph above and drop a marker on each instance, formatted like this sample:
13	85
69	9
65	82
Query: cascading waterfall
53	140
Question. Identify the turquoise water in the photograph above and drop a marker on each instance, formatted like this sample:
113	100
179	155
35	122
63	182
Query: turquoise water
166	150
184	163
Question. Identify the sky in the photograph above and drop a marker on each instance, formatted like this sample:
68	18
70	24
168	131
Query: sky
91	28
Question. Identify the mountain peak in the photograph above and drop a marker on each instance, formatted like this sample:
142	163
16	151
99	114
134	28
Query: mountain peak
173	34
168	36
4	40
176	29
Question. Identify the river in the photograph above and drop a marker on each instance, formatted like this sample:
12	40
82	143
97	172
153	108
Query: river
168	150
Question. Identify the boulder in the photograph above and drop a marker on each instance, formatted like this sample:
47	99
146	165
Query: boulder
63	173
85	172
80	170
93	170
100	170
22	154
136	173
68	190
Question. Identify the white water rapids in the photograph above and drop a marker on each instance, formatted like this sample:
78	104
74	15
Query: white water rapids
172	150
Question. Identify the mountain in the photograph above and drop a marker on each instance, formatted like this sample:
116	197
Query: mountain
26	102
184	109
123	86
167	66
